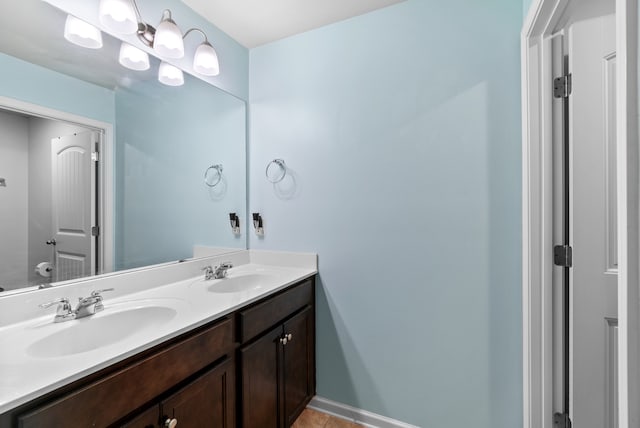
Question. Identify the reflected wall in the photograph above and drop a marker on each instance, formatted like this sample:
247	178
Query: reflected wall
166	138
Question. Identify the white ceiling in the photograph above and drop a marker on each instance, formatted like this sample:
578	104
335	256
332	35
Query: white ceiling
33	32
256	22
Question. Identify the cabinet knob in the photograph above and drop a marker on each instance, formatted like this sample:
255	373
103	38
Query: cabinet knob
171	423
286	338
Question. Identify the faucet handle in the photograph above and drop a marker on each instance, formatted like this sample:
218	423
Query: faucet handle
96	293
62	300
63	312
226	265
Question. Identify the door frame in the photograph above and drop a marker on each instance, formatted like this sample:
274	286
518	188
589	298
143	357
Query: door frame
537	215
105	173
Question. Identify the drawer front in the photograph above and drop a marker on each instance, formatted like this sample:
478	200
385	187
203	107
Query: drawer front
109	399
265	315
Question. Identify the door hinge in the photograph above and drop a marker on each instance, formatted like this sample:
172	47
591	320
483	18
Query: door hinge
561	420
562	86
95	231
562	255
95	156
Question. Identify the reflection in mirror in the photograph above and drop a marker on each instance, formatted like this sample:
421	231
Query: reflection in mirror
80	198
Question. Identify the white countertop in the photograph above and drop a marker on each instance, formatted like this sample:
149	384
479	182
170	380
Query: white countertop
25	375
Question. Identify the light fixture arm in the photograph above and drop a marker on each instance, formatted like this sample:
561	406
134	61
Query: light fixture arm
137	12
206	40
166	16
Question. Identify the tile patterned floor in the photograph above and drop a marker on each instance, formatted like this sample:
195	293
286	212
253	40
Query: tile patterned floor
313	419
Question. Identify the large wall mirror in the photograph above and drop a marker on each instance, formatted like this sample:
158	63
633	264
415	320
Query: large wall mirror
102	168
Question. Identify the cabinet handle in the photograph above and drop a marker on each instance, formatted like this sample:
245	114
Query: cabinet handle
170	423
289	337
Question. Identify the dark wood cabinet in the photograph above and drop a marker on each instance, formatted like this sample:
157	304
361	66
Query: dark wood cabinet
206	402
262	354
278	367
101	399
298	356
150	418
260	363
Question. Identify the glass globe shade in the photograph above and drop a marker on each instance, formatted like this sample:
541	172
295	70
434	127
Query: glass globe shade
133	58
168	40
118	16
170	75
205	60
82	33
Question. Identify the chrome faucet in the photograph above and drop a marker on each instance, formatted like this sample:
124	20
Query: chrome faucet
86	306
218	272
90	305
221	270
208	272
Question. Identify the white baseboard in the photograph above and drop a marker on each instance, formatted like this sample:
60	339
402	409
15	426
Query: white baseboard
353	414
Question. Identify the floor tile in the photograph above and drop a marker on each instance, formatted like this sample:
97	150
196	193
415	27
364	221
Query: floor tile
340	423
311	419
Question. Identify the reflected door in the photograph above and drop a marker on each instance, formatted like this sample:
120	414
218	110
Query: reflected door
74	205
593	188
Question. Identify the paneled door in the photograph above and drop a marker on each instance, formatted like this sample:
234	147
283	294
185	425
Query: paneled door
593	234
74	205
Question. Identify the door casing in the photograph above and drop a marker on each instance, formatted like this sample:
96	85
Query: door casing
542	21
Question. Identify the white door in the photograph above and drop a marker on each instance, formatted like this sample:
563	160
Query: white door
73	205
593	277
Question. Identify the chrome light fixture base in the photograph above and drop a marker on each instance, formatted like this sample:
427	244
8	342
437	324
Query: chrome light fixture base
146	34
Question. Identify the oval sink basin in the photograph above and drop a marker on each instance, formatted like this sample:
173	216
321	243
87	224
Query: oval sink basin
102	329
239	283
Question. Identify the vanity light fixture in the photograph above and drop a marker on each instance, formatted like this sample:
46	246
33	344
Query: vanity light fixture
82	33
123	16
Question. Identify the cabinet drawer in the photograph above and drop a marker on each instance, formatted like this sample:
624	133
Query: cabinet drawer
101	403
265	315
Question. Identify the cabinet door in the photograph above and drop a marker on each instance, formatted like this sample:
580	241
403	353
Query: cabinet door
260	362
298	361
147	419
208	401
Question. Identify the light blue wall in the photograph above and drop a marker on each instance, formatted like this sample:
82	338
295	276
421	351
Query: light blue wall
166	139
27	82
526	4
401	129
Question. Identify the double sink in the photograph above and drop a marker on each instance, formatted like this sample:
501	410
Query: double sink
146	308
127	320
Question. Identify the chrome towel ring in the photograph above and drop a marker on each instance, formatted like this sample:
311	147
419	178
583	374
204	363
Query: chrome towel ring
213	175
276	171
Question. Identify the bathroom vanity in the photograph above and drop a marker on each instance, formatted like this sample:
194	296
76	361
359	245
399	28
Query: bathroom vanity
251	366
